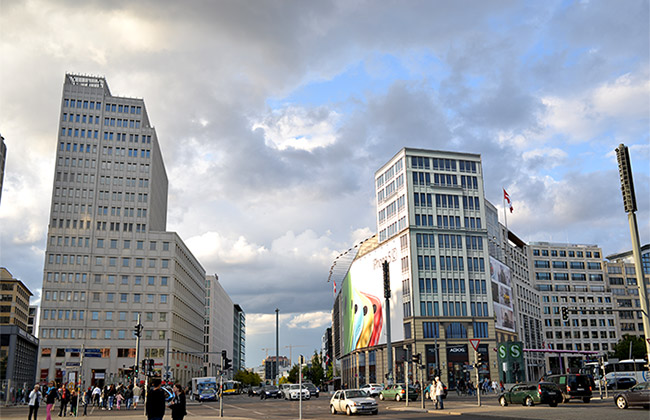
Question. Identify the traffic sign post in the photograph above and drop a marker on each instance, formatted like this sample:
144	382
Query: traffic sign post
475	342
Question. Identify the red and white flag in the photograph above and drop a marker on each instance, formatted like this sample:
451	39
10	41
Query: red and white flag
334	281
507	198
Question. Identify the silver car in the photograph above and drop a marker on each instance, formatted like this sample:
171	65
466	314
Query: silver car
353	401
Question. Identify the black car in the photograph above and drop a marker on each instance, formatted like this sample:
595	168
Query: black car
254	391
573	386
532	393
637	395
621	383
270	391
313	391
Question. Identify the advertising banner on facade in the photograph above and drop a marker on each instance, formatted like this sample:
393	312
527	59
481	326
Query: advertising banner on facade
502	295
363	312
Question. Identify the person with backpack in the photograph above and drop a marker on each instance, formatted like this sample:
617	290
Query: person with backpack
64	396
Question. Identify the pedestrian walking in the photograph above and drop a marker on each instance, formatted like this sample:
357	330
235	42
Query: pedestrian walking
128	397
137	392
35	398
87	398
73	403
64	396
178	403
50	399
440	392
155	402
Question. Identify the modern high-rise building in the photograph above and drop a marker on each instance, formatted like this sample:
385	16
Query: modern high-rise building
18	347
432	232
572	276
622	279
224	329
238	339
508	249
108	257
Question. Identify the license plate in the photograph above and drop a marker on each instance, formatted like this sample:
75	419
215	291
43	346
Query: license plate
551	393
581	389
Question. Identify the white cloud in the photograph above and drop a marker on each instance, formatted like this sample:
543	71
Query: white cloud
299	128
224	250
311	320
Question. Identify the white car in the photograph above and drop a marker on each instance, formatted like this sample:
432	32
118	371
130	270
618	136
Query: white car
294	392
353	401
373	389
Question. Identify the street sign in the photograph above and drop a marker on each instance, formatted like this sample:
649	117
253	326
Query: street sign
474	342
92	350
72	350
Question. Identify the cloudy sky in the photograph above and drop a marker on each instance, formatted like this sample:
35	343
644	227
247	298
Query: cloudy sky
274	115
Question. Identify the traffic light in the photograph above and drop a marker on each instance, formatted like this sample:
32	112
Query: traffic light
565	313
627	183
479	358
145	366
416	358
138	330
226	363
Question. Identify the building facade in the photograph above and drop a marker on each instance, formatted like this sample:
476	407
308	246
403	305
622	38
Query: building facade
622	279
18	347
431	230
108	257
507	248
239	339
572	276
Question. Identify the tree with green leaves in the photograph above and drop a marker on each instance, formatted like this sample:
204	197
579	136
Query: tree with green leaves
621	349
247	378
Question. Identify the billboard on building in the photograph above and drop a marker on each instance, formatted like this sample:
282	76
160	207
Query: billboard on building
362	311
502	295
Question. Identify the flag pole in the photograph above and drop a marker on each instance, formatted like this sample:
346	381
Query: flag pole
505	215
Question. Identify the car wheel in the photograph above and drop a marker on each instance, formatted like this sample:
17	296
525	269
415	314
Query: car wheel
586	399
381	397
553	404
621	402
332	409
374	413
348	411
503	401
528	402
398	397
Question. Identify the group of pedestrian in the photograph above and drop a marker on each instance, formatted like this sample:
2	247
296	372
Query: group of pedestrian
156	400
437	393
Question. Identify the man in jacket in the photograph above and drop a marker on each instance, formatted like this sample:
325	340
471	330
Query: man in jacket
35	398
440	392
155	401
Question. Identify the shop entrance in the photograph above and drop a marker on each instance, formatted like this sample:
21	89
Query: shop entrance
457	360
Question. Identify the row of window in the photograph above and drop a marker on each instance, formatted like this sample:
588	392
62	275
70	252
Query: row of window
389	173
580	347
421	162
65	259
392	208
79	132
113	243
110	297
119	122
567	288
123	108
78	103
565	276
123	151
390	188
448	241
81	118
563	253
74	162
133	138
455	286
574	265
67	333
111	279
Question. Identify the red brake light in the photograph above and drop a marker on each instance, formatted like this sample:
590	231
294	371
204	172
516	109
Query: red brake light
568	388
539	389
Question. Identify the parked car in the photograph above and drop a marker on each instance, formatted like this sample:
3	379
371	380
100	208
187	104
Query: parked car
313	389
372	389
621	383
270	391
294	391
573	386
427	391
397	392
353	401
637	395
531	393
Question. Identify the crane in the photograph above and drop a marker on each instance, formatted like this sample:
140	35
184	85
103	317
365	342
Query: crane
290	347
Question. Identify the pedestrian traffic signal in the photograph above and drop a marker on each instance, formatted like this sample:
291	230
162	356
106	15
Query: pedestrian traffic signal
138	330
416	358
565	314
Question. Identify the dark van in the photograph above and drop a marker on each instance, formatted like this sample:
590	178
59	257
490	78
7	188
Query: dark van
573	386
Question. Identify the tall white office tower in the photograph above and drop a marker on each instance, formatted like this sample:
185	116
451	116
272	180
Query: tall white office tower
109	258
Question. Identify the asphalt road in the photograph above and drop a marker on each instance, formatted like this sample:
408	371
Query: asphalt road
241	406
